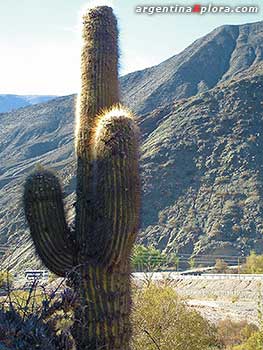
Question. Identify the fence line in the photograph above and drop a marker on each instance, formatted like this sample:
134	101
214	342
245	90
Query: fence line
158	276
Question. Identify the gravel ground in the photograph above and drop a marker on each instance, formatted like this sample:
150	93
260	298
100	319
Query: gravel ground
219	299
238	298
215	311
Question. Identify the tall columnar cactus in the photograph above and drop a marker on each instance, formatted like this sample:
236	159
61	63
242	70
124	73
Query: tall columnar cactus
96	255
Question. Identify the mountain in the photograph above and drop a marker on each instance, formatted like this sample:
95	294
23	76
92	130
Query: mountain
201	154
220	55
203	172
11	102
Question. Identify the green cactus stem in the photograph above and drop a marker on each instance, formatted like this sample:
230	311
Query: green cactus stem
45	214
96	255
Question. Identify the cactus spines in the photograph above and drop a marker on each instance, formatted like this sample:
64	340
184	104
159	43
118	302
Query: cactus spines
97	254
99	71
115	171
45	215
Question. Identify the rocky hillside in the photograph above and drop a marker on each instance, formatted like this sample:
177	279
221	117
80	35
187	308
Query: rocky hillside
220	55
201	161
203	172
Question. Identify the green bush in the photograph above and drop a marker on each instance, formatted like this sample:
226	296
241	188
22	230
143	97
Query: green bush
147	258
162	321
254	264
254	342
6	279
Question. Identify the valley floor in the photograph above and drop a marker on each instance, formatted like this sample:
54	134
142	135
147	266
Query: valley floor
216	310
236	297
217	298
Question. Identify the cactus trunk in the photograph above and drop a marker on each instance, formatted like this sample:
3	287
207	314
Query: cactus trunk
102	314
99	91
96	255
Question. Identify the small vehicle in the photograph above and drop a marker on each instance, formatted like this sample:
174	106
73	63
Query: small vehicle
36	277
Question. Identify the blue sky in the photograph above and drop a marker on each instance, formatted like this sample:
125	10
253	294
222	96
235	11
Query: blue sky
40	40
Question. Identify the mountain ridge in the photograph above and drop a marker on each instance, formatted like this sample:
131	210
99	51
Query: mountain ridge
216	48
181	140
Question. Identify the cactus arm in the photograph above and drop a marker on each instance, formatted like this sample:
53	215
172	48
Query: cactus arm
115	187
44	211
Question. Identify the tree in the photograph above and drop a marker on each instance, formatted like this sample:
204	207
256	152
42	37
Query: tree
147	258
191	263
176	261
221	266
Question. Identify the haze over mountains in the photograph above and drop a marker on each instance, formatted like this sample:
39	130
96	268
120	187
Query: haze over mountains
201	117
11	102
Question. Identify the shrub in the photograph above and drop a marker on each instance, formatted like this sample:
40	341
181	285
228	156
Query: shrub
254	263
147	258
221	266
6	278
252	138
236	228
232	333
162	321
36	321
254	342
191	263
175	260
